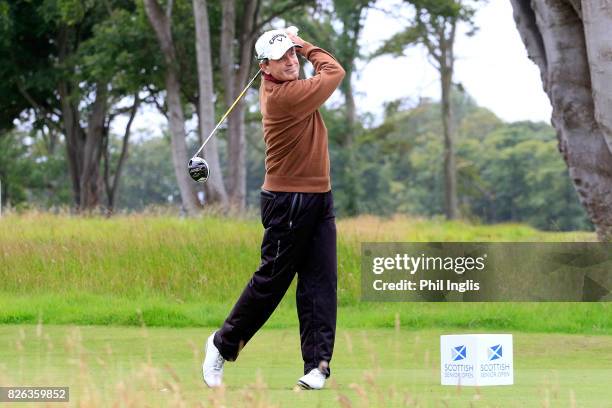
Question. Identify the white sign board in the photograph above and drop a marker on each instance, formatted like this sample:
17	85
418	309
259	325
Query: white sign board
476	359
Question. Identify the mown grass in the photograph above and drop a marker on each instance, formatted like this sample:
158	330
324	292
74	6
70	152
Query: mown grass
160	367
169	271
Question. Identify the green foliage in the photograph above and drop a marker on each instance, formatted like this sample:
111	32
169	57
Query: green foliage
73	11
6	24
524	176
506	172
25	48
14	174
396	45
122	50
433	25
30	175
148	177
441	8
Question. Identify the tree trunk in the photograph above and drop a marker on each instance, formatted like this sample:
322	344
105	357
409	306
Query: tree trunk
70	120
84	148
90	180
450	168
215	189
571	47
112	187
226	53
74	138
239	79
161	26
446	80
237	158
349	176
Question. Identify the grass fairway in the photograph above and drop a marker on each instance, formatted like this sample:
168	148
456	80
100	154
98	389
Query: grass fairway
374	367
188	272
118	309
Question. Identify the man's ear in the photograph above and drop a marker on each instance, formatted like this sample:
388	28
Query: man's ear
264	67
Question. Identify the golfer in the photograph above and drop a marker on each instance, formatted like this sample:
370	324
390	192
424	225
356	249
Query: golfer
296	212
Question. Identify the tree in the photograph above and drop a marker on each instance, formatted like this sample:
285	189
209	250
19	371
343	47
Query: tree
112	186
434	25
506	172
569	41
47	49
215	187
514	174
161	22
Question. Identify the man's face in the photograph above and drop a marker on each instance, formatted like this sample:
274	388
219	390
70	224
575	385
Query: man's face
285	69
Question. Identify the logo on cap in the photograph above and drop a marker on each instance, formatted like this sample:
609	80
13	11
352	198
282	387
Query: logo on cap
278	37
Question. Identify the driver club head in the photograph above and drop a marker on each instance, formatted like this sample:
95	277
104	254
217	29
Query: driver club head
198	169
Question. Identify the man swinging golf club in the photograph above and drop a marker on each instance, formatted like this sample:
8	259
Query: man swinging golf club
296	211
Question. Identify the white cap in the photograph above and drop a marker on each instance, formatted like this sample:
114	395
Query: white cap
274	44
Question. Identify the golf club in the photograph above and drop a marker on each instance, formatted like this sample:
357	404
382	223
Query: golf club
197	166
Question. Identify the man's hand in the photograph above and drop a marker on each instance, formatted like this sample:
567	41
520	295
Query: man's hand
296	40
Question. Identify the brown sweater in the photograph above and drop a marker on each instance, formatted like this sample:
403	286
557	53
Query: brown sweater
297	157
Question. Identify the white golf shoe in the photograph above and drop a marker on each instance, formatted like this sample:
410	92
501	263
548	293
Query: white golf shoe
314	380
212	367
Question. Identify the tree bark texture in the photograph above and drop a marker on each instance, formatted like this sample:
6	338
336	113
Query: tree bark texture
83	146
348	51
235	73
350	188
444	34
160	22
450	167
74	140
570	42
91	181
215	188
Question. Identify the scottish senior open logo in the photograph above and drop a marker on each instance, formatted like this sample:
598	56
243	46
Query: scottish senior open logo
459	353
495	352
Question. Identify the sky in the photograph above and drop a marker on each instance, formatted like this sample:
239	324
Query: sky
492	66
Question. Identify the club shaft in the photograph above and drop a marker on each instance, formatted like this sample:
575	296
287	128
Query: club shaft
227	113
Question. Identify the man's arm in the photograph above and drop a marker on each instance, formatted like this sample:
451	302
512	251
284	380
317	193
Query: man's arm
306	95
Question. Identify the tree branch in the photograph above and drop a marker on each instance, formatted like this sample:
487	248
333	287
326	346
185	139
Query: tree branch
287	8
152	97
38	107
124	149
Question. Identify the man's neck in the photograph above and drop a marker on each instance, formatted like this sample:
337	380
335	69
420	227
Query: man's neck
269	77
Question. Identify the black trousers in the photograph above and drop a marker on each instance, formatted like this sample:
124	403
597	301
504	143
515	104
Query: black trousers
299	237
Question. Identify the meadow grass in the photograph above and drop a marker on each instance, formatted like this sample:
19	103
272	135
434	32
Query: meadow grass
393	367
170	271
90	309
174	280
